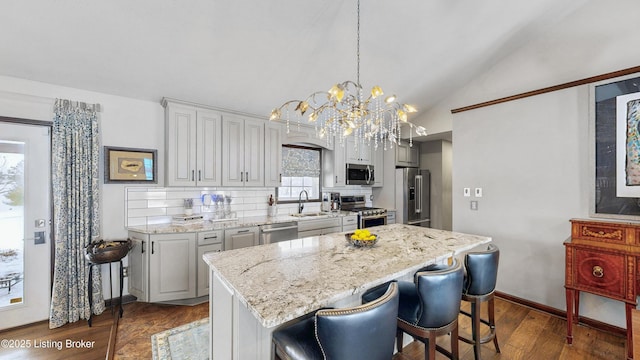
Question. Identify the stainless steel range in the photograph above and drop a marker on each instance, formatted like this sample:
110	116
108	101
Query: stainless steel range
367	216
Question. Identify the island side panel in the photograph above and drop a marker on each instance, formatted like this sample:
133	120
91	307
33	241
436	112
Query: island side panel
221	301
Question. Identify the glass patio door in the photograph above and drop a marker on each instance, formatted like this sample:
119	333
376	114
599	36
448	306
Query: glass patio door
25	214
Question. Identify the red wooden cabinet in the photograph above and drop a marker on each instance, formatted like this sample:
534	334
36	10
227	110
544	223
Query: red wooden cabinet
602	258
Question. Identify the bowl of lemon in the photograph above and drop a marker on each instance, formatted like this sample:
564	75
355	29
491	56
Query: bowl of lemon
361	238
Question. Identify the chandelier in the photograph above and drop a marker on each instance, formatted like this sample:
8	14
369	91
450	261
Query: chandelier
343	112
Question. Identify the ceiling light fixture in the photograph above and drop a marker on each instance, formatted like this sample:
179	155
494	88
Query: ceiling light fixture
342	112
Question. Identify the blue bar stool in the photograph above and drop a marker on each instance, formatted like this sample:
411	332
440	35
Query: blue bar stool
363	332
429	308
479	286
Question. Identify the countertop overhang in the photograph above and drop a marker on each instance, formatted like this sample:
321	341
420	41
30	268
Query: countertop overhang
282	281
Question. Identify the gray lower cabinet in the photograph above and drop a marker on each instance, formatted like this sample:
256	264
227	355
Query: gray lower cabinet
172	270
349	222
138	266
241	237
163	267
319	227
209	241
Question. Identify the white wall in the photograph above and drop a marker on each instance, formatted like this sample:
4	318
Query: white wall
531	156
124	122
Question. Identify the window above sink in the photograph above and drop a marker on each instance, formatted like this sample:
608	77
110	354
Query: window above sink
301	170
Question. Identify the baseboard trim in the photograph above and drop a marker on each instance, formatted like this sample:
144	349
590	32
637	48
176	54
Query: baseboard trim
599	325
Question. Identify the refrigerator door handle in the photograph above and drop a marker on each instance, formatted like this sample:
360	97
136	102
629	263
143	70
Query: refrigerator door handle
418	201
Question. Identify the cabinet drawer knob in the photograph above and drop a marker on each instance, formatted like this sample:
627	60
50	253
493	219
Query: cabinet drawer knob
598	271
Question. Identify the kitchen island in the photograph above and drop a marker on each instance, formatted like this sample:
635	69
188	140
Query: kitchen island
254	290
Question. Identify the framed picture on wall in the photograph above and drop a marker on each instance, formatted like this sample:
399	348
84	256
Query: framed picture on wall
615	105
129	165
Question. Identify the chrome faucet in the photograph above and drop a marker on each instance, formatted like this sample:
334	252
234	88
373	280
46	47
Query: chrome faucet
300	204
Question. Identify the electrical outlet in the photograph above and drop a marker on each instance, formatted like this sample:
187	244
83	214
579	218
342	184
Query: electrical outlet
478	192
125	271
466	192
474	205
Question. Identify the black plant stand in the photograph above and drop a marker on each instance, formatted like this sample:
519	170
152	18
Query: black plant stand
90	282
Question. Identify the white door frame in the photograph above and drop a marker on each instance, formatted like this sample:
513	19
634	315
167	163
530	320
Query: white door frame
38	258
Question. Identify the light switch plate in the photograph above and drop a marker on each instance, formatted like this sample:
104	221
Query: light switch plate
478	192
474	205
466	192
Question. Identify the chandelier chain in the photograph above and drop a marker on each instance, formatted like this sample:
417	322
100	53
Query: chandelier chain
358	48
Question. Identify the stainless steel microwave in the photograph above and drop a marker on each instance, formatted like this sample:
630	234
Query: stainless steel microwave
359	174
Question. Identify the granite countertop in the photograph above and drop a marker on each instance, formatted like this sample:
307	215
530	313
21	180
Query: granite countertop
282	281
230	223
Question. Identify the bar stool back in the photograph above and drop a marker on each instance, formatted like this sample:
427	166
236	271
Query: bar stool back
479	286
363	332
430	307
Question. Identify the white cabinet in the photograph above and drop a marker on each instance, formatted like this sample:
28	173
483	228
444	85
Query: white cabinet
172	271
318	227
407	156
169	267
193	146
349	222
357	152
391	217
334	165
272	155
378	166
209	241
138	267
241	237
243	151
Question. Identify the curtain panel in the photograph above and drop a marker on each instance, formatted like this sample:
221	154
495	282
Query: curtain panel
76	195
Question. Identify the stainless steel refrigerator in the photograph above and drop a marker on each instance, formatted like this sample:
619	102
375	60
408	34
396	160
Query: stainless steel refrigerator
413	196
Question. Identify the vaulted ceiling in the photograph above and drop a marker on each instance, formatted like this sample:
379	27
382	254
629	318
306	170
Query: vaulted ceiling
253	55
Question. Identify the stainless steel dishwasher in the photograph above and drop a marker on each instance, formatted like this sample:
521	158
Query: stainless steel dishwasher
271	233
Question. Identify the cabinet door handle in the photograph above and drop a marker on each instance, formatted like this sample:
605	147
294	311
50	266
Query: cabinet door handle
598	271
246	176
199	175
193	175
280	178
241	176
243	231
336	178
152	248
142	247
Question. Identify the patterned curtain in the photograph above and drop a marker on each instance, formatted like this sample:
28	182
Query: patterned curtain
76	194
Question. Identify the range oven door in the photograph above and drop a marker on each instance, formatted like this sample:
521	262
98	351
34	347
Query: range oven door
369	221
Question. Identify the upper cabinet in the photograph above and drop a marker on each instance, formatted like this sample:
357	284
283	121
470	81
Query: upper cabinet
407	156
193	146
360	154
272	154
334	166
210	147
243	151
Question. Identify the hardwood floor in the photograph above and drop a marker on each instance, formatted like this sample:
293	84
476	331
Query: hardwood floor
523	333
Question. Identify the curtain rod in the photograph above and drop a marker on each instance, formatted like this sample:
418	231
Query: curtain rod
82	105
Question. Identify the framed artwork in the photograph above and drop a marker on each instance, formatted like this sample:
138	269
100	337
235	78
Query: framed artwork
628	145
128	165
615	119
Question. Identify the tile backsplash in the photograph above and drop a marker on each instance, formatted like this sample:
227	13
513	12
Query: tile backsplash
155	205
